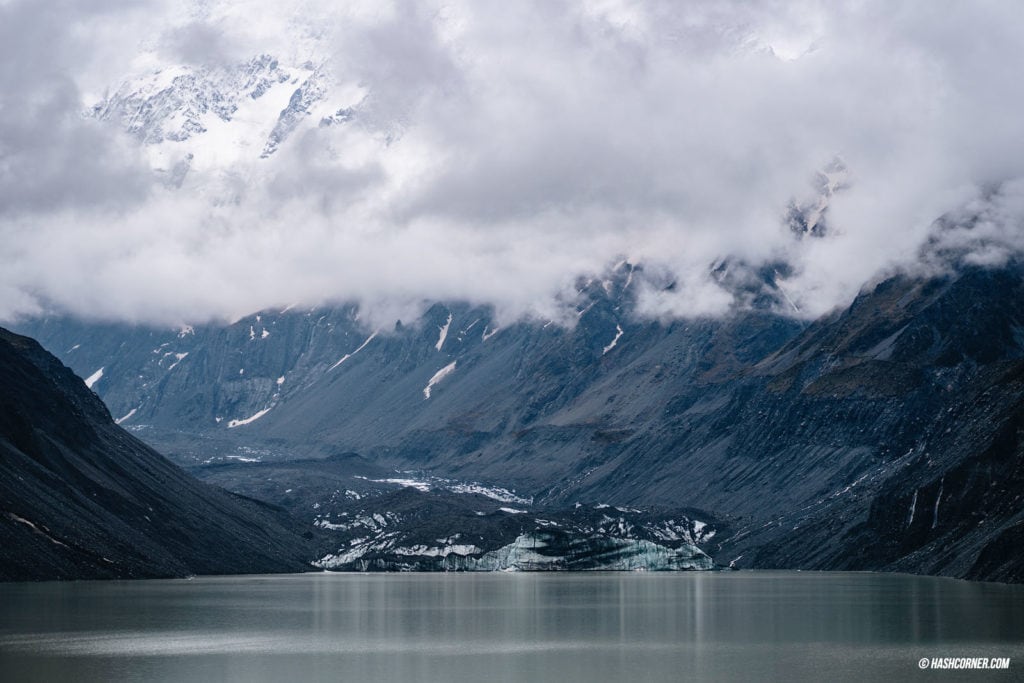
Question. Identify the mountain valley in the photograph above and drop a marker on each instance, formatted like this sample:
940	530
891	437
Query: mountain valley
886	436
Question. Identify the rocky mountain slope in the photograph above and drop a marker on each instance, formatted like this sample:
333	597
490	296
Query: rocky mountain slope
369	518
883	436
82	498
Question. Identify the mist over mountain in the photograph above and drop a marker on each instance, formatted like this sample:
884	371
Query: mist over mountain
885	436
178	163
640	284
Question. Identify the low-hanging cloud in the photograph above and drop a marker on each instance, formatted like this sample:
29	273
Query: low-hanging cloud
495	152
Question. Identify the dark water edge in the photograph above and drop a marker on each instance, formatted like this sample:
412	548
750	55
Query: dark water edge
748	625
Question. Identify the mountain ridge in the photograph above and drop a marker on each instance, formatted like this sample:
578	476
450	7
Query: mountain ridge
81	498
807	440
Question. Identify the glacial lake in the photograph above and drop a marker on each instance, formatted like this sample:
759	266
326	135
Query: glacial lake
747	625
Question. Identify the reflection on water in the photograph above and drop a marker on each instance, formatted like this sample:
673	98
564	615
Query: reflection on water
506	627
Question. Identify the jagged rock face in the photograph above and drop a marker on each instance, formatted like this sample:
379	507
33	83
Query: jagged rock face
914	393
545	550
816	442
414	530
561	551
373	519
81	498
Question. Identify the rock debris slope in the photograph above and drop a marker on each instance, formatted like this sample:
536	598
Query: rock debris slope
82	498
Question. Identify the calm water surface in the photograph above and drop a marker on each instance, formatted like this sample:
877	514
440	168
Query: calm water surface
509	627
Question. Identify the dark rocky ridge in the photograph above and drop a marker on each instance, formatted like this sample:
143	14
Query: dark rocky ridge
82	498
914	396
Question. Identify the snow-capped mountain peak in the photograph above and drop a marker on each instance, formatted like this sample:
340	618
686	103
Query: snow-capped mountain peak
807	216
223	115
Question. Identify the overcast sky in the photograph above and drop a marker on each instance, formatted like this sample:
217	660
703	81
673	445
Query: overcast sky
501	149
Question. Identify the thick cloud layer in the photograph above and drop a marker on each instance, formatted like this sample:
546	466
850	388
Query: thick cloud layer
500	150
